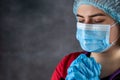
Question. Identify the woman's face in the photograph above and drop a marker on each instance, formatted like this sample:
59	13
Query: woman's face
91	15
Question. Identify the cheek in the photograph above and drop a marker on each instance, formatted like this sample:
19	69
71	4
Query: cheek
114	33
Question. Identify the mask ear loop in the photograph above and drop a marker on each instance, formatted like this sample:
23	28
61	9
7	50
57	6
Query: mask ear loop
113	24
118	37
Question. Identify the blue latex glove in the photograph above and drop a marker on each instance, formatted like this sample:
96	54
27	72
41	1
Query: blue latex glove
84	68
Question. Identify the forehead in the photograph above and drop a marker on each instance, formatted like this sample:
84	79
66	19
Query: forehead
87	10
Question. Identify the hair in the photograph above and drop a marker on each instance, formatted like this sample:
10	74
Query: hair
110	7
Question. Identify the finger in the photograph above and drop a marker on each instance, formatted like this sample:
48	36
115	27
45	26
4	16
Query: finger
87	62
77	67
90	73
81	67
81	56
72	69
99	67
88	66
69	77
75	76
78	59
94	67
91	63
95	70
73	63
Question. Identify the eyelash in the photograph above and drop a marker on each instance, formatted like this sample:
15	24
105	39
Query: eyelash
81	21
99	21
94	21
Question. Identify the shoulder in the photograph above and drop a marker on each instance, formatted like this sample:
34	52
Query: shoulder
69	58
61	69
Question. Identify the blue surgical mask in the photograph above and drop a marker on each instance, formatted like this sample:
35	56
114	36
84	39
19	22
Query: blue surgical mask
94	37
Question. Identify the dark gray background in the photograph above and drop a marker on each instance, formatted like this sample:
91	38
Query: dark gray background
34	36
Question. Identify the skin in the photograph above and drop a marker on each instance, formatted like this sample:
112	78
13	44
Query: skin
110	59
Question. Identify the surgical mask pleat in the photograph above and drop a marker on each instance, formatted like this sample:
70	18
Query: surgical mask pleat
93	37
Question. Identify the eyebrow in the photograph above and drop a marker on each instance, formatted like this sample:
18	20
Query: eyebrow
94	15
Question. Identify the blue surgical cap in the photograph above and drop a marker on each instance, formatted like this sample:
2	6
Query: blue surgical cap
110	7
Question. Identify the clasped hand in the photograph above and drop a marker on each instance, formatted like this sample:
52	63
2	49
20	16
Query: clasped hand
84	68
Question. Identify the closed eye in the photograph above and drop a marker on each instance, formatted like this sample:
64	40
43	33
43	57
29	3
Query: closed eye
81	21
98	21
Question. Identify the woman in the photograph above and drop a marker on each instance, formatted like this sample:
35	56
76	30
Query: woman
98	32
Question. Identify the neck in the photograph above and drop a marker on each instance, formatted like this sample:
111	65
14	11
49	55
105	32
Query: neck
108	58
112	53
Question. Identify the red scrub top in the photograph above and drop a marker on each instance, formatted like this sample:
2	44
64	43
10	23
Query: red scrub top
61	69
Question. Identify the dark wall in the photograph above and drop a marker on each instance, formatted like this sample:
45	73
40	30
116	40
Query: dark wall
34	36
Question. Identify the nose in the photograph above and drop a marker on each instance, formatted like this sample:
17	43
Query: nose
88	21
